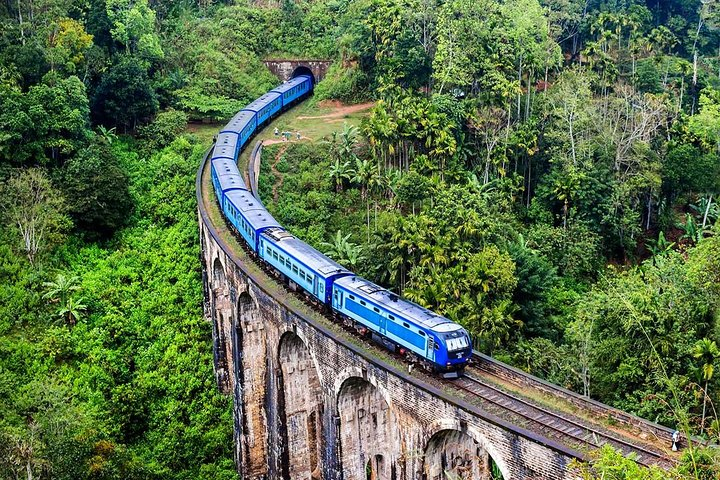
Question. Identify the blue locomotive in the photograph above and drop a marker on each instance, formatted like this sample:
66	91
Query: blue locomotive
400	325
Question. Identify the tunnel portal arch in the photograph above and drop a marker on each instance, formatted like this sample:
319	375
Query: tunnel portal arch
304	70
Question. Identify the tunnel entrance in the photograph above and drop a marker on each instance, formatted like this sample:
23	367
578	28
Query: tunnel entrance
303	70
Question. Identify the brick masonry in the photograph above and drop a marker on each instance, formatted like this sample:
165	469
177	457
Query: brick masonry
287	69
308	406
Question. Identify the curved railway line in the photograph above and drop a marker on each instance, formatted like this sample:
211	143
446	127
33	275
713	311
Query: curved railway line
485	385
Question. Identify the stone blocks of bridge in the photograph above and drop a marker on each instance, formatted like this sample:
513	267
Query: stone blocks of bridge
308	407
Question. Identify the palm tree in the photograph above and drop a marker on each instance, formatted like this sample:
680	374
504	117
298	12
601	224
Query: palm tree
565	188
376	186
107	134
707	352
339	172
348	141
661	246
60	292
72	311
343	251
691	230
364	175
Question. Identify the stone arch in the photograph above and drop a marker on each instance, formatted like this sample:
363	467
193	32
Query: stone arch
244	302
301	408
351	372
369	432
459	451
221	313
303	70
251	367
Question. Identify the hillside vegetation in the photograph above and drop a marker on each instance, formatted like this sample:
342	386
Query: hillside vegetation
544	172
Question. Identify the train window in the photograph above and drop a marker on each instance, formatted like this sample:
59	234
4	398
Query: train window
406	325
267	250
421	333
288	263
352	297
391	317
275	255
295	269
377	310
362	302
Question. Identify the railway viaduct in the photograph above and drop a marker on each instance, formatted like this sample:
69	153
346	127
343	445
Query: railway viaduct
312	402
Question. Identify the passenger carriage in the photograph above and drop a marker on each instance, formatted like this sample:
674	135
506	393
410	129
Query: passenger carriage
294	89
301	263
265	107
225	177
243	124
248	216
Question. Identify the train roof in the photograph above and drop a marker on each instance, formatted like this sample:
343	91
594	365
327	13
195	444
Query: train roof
396	304
226	138
238	122
224	151
228	175
291	83
304	253
261	102
251	209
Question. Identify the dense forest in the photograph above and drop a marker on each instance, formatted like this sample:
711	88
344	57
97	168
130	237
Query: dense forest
544	172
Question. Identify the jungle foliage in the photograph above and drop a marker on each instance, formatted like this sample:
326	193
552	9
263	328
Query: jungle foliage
545	172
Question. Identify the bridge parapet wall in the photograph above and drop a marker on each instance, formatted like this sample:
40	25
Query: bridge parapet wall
308	404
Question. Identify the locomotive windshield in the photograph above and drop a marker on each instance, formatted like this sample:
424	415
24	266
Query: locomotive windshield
459	342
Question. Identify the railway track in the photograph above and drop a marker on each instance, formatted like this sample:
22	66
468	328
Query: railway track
567	430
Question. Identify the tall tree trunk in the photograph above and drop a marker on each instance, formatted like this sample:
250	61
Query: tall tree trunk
20	22
529	180
572	139
702	422
519	95
367	202
529	93
707	211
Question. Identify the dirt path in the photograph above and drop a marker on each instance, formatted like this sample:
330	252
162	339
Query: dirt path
340	111
273	141
278	176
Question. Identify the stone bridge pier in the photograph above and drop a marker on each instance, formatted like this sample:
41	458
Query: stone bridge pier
287	69
310	405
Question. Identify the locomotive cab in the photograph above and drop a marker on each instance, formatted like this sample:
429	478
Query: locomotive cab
456	349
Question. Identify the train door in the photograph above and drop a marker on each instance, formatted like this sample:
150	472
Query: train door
382	322
430	354
315	286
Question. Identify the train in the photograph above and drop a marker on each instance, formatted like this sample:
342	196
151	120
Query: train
401	326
